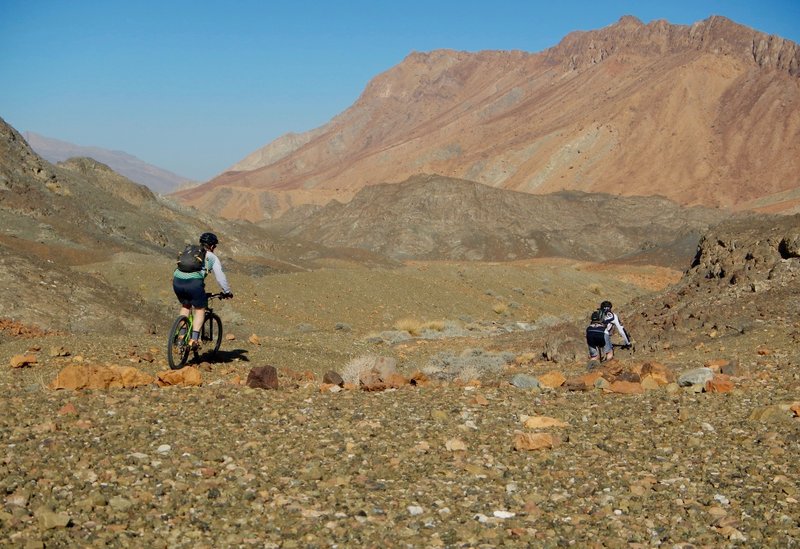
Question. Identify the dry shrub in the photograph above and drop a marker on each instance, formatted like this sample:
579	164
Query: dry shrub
410	325
595	289
500	308
525	358
435	325
351	373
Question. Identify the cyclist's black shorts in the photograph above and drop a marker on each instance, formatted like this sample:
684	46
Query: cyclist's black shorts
191	292
595	337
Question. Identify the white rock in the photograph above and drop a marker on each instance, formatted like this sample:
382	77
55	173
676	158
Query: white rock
415	510
164	448
504	514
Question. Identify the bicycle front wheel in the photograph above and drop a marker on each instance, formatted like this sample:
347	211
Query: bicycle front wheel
178	343
212	332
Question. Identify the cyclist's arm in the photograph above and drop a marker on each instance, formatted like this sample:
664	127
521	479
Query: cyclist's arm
621	330
219	274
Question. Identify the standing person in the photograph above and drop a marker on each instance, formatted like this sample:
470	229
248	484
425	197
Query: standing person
188	282
596	336
612	322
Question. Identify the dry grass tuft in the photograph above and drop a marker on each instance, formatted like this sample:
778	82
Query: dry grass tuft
500	308
435	325
410	325
351	373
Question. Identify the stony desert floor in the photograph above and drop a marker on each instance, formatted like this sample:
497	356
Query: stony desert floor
445	462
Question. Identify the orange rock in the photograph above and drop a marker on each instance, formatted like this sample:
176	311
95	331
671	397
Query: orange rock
188	376
254	339
418	378
720	383
763	351
626	388
796	409
716	364
534	441
659	372
68	409
76	376
230	337
131	377
480	400
553	379
651	383
395	381
542	422
20	361
582	383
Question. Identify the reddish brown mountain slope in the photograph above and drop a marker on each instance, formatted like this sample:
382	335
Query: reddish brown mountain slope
702	114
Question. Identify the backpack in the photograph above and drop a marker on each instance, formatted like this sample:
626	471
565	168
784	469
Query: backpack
192	259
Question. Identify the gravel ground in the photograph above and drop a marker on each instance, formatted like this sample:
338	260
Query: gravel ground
222	465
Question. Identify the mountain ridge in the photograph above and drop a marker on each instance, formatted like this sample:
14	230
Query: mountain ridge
156	179
707	114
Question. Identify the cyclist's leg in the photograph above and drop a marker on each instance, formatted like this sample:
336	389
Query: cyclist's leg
199	317
192	293
608	348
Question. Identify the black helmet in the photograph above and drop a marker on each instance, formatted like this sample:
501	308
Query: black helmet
605	305
596	316
209	239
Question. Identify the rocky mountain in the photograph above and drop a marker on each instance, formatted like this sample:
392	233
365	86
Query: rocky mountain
56	222
433	217
701	114
744	280
135	169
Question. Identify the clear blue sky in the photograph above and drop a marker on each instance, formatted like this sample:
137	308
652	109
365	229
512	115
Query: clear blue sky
194	86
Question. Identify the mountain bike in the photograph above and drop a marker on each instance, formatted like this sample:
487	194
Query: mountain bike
178	344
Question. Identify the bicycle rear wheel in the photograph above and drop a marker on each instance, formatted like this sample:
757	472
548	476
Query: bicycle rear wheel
178	343
212	332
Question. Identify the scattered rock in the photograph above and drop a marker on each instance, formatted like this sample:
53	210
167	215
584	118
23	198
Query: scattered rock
188	376
552	379
625	388
697	376
50	519
56	352
333	378
262	377
584	382
775	413
720	383
525	381
534	441
20	361
541	422
78	376
455	445
68	409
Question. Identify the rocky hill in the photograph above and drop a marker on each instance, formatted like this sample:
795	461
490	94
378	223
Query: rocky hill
702	114
58	221
432	217
156	179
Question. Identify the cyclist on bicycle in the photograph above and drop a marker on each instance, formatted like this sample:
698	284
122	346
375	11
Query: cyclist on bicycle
190	287
612	322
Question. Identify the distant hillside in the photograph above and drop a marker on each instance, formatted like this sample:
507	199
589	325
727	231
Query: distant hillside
155	178
706	114
432	217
